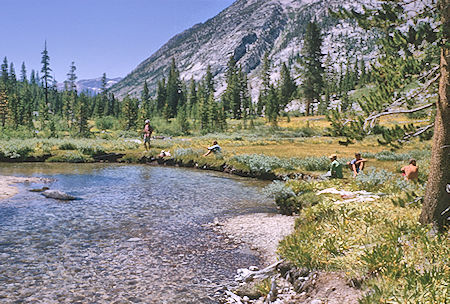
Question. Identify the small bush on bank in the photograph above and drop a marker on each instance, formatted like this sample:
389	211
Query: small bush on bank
70	157
284	196
15	149
373	179
312	163
260	163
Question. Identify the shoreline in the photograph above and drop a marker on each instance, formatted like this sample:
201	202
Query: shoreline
7	188
260	231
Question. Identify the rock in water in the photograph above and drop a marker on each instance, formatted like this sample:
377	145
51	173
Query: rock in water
39	190
56	194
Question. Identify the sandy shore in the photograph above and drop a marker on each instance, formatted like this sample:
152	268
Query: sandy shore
7	188
261	231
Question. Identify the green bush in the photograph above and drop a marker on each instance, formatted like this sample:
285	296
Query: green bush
260	163
312	163
308	199
107	123
15	149
373	179
70	157
284	196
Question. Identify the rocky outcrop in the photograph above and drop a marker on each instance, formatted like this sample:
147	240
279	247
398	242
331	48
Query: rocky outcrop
247	30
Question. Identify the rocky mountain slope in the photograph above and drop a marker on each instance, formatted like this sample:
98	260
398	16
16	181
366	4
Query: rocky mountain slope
247	30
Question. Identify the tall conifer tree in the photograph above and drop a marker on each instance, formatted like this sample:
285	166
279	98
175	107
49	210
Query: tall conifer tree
311	62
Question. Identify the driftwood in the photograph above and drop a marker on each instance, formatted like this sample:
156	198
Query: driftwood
237	299
273	293
248	275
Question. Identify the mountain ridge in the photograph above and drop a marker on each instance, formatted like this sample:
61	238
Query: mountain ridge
246	30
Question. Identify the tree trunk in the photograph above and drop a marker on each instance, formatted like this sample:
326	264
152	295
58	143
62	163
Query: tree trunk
308	106
436	207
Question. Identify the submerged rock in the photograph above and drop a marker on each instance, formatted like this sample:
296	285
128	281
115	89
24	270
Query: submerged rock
39	190
56	194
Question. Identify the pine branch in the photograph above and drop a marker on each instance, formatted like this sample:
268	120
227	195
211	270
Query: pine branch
372	118
417	133
422	89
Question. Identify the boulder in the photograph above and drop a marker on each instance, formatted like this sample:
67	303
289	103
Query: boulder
59	195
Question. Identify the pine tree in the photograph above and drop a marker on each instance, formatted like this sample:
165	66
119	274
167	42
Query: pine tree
102	99
230	79
209	82
5	75
311	63
4	108
146	102
173	91
396	67
192	104
23	73
182	120
161	95
82	114
13	97
272	106
245	96
46	77
213	113
130	112
286	86
265	88
26	100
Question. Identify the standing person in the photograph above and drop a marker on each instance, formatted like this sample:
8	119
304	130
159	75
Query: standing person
411	171
357	164
215	148
335	167
148	130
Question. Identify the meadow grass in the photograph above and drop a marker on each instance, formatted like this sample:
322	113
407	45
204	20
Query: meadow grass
378	244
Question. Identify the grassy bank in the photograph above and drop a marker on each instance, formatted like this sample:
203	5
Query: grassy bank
377	243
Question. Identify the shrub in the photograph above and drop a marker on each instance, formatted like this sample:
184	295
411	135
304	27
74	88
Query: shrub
284	196
15	149
107	123
70	157
312	163
260	163
68	145
373	179
308	199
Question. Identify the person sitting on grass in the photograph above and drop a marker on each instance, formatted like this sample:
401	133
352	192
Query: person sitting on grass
357	164
215	148
147	134
164	154
411	171
335	167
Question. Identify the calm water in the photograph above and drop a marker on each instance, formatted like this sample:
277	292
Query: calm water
137	235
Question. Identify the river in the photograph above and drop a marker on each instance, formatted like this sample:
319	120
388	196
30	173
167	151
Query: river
137	235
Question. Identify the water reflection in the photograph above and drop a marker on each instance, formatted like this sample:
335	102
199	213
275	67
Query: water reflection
137	236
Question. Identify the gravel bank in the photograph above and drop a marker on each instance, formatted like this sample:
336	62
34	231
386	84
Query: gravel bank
8	190
261	231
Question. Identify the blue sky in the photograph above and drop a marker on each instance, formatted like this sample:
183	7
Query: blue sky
111	36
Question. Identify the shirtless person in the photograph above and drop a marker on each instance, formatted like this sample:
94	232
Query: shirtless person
411	172
147	134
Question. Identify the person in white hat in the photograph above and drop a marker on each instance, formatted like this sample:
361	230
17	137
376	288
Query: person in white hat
335	167
147	134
